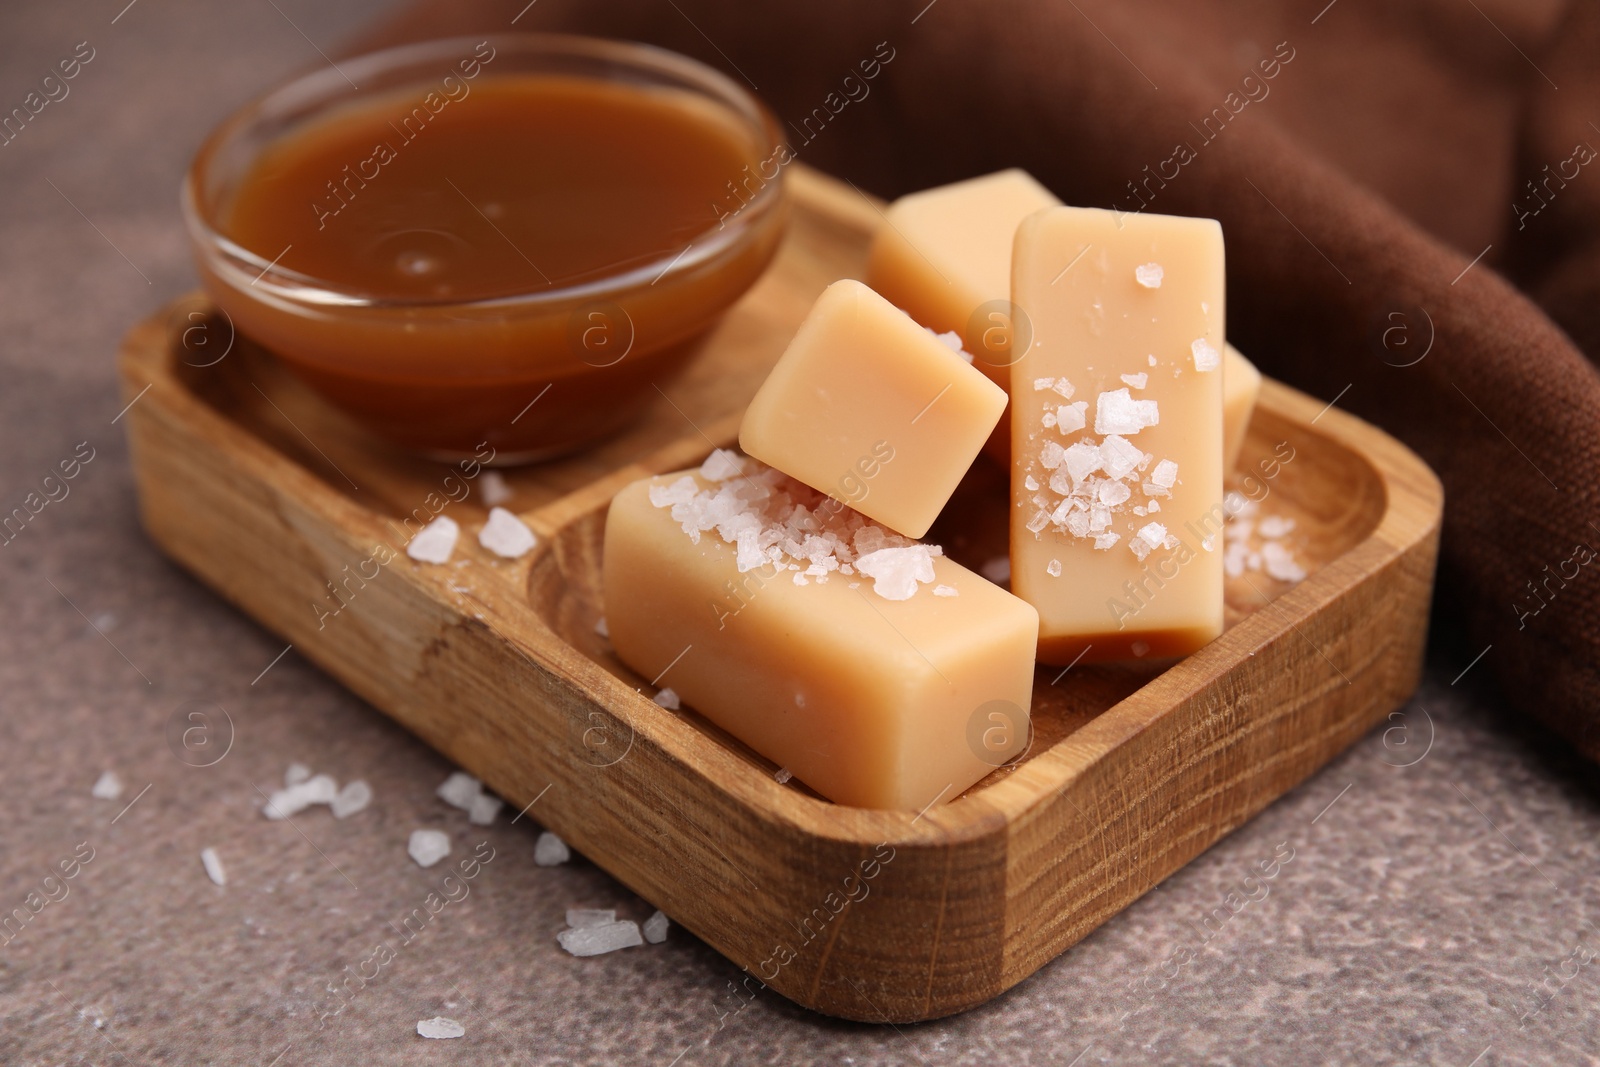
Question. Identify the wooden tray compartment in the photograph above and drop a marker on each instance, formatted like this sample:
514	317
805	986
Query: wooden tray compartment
268	495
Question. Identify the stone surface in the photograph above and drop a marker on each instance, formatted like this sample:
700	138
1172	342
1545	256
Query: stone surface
1406	929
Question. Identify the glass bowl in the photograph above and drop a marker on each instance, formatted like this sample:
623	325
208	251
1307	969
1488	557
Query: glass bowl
531	373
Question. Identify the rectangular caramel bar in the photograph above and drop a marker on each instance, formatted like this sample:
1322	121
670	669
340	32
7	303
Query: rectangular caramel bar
1117	422
894	679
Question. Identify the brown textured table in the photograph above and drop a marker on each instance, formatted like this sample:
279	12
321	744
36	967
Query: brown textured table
1439	871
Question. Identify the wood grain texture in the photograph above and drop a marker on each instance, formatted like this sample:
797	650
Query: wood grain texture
268	495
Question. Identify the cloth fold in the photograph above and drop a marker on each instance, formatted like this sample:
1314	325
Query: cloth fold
1395	239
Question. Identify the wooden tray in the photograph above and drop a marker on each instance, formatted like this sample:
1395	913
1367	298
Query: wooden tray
267	495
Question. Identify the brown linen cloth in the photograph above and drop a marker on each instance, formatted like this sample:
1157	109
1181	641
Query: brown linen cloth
1358	186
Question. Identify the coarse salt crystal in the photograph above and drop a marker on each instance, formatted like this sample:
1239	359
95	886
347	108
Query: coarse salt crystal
435	541
1053	568
1152	359
550	850
319	789
946	590
459	790
601	628
1205	356
997	570
578	918
1030	483
1106	540
107	787
1136	381
484	809
668	697
495	489
506	535
783	774
1050	455
952	340
1118	413
1165	474
721	465
1064	387
1070	418
428	847
353	798
1149	275
295	774
1048	420
896	572
655	928
1041	384
1119	457
598	940
439	1028
213	865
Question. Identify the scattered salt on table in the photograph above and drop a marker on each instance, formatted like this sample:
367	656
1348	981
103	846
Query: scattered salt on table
435	541
550	850
107	787
213	865
484	809
597	940
439	1028
506	535
354	797
460	790
428	847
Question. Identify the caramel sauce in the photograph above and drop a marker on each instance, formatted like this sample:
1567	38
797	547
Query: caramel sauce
442	215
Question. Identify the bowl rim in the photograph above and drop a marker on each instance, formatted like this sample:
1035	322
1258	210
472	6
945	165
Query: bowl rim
245	269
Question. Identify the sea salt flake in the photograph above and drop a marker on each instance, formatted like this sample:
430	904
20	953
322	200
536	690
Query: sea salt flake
668	697
428	847
107	787
897	571
1152	359
578	918
783	774
1165	474
721	465
484	809
506	535
1136	381
1117	412
946	590
1030	483
1119	457
550	850
1050	455
1048	420
1070	418
1280	563
1114	493
598	940
439	1028
495	489
459	790
1149	275
1053	568
1041	384
1205	356
353	798
435	541
1106	540
213	865
952	340
1064	387
655	928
